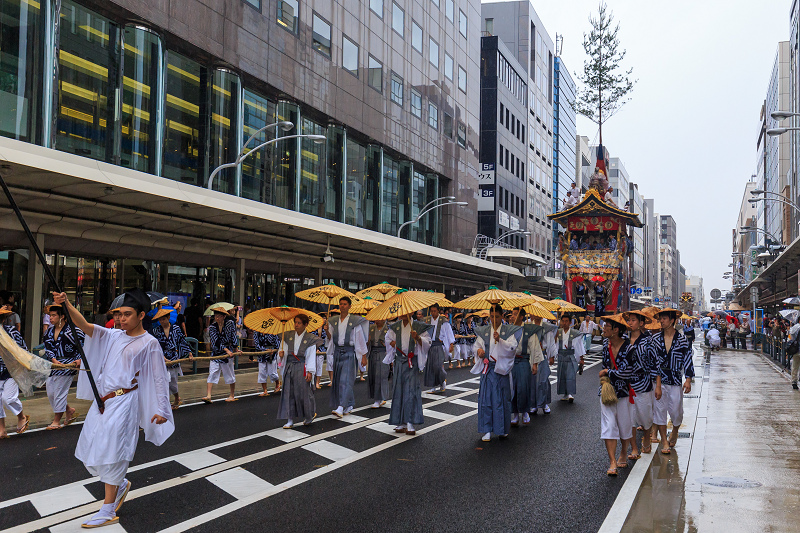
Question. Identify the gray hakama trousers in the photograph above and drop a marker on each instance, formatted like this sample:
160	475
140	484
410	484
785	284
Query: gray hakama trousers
494	403
435	373
541	390
406	393
566	373
521	374
297	395
378	375
344	377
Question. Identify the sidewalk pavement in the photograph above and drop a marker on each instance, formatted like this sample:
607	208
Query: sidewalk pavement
736	467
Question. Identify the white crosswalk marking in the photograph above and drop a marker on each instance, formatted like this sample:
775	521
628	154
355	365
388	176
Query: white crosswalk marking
60	499
286	435
329	450
239	483
436	414
198	459
74	526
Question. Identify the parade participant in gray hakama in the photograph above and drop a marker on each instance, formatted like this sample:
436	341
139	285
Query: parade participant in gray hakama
541	390
298	359
494	360
527	357
407	345
570	351
348	340
442	342
378	375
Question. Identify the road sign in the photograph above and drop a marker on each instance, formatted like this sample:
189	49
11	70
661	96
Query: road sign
633	290
655	300
639	290
716	293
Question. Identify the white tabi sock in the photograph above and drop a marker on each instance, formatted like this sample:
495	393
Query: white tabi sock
487	437
409	427
289	424
376	405
515	418
105	514
348	410
526	418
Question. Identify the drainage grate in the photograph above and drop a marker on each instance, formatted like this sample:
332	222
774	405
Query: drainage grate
729	482
691	395
684	435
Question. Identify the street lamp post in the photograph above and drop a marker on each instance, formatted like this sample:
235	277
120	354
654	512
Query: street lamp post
748	229
509	233
430	206
284	125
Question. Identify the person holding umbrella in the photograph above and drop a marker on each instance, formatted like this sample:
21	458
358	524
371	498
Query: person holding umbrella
527	357
571	350
378	376
173	344
442	342
224	341
298	355
347	341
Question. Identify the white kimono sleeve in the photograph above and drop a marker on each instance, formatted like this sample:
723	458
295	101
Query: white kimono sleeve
329	352
154	395
283	347
550	345
96	348
421	352
535	351
311	359
389	359
579	347
503	354
446	336
360	341
477	368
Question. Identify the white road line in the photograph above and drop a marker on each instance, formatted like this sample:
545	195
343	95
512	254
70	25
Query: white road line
383	427
436	414
74	526
353	419
198	459
239	483
286	435
60	499
84	510
466	403
227	509
329	450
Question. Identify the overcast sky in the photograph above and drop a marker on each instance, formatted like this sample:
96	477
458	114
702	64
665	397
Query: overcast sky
688	136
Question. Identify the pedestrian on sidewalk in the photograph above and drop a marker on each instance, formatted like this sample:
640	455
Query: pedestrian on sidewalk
713	338
494	360
616	418
9	391
347	342
643	382
794	332
223	340
173	344
298	359
128	367
673	355
60	347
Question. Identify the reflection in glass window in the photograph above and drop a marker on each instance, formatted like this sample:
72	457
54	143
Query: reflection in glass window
223	147
377	7
255	3
418	201
436	3
433	53
448	66
396	94
462	79
447	125
335	173
288	13
433	116
449	9
256	168
375	74
416	103
356	170
87	65
140	98
312	171
285	160
462	23
398	19
416	36
20	69
462	135
183	149
322	35
349	56
391	170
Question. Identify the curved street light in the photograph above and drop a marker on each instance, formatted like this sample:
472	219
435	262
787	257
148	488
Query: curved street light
787	202
284	125
448	200
508	234
748	229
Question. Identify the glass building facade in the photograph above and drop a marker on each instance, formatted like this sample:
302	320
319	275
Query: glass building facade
125	93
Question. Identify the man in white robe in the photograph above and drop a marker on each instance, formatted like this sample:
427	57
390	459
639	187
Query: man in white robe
128	367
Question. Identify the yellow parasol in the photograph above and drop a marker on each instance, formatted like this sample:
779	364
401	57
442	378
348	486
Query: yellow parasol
536	310
529	298
404	302
365	305
480	314
380	292
444	302
327	294
567	307
223	307
490	297
278	320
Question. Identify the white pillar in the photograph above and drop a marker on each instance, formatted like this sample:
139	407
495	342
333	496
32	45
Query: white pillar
34	296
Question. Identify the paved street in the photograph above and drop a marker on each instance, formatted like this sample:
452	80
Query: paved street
231	466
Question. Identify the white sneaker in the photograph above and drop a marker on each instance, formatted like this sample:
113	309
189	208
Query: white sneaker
487	437
546	409
289	424
526	418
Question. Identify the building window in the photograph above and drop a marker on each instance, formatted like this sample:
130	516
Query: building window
489	26
322	35
462	80
222	131
448	125
449	9
416	103
433	116
398	19
183	147
377	7
436	3
258	112
288	12
433	53
448	66
255	3
375	74
416	36
396	94
350	56
462	135
462	23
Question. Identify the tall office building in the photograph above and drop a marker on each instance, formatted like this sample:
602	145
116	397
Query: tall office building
778	216
669	260
564	135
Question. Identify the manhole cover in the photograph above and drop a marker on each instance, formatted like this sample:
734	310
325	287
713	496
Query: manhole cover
684	435
729	482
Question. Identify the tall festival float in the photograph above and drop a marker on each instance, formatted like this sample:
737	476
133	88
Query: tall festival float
596	250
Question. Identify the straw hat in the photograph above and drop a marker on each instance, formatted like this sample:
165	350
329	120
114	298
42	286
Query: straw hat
618	319
4	311
162	312
641	314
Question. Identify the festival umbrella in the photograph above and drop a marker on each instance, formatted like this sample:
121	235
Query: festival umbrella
792	300
529	298
598	278
536	310
223	307
329	294
480	314
444	302
791	314
157	298
404	302
567	307
380	292
365	305
490	297
279	320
